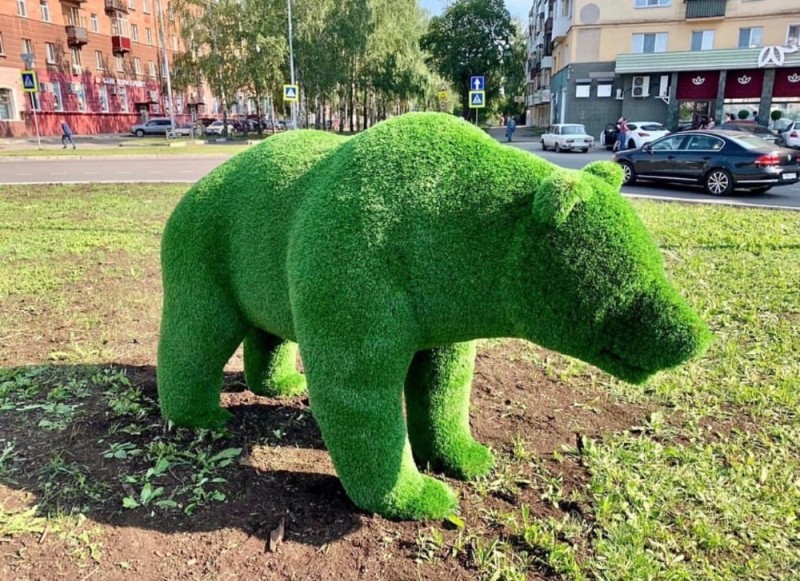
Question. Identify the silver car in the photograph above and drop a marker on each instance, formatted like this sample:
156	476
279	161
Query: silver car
155	126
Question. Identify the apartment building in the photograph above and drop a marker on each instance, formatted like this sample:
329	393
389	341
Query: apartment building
671	61
99	65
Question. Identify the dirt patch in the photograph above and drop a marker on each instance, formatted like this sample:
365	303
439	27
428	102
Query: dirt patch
283	472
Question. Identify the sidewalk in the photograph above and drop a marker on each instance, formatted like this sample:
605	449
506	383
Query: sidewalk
523	134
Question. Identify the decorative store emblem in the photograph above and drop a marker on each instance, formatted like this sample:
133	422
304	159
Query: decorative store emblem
744	80
698	80
774	55
794	78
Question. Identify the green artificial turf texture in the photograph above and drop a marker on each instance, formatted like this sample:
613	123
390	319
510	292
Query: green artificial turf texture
383	256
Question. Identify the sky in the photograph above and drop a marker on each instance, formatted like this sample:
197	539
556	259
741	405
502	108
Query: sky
518	8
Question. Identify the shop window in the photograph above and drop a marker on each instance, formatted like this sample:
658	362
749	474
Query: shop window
751	37
35	102
102	94
651	42
604	90
58	101
703	40
583	91
7	111
122	93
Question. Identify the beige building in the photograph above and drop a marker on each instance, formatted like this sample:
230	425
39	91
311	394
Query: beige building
672	61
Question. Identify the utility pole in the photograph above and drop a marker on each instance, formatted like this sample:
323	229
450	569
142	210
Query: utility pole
34	100
166	66
291	64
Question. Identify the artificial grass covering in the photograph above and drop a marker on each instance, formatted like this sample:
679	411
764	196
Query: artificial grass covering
384	256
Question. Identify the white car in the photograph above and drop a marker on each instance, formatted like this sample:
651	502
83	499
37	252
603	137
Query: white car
791	134
567	136
641	132
216	128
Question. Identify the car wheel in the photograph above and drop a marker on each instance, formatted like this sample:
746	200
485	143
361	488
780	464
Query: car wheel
140	133
761	190
544	147
558	147
628	173
719	182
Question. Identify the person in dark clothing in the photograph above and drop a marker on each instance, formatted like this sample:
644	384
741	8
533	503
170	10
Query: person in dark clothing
66	135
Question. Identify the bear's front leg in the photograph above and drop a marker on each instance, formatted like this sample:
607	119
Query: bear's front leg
437	403
270	365
356	394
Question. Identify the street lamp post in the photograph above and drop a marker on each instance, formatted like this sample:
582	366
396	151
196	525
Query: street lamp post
166	66
291	64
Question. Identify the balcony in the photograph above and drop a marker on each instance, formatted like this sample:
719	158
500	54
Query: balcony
76	36
120	45
547	62
561	26
74	1
705	8
114	6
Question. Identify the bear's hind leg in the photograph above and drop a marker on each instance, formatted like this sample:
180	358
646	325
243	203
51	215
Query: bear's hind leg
437	405
270	365
200	330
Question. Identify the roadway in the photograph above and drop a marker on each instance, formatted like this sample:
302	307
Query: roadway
188	169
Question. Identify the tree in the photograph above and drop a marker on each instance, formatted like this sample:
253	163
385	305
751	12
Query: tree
472	37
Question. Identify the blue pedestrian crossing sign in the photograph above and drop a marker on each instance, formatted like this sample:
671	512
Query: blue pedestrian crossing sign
477	84
290	93
477	99
30	83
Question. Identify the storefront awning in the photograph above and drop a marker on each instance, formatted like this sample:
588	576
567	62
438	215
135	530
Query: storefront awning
722	59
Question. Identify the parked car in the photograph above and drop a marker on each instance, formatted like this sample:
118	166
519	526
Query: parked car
183	130
639	133
155	126
216	128
757	130
791	134
567	136
718	160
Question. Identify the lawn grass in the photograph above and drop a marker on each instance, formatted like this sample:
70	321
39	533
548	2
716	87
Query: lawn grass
708	487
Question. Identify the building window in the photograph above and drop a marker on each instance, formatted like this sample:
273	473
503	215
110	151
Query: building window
22	8
135	33
137	65
751	37
651	3
131	5
151	68
146	6
2	52
74	18
703	40
45	8
7	105
120	64
80	95
27	46
95	23
175	43
652	42
36	104
98	59
102	94
76	56
793	36
149	35
50	53
122	93
58	101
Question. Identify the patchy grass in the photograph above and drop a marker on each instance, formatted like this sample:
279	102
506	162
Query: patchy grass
697	478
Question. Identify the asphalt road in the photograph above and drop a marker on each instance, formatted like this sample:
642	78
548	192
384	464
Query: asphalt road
190	169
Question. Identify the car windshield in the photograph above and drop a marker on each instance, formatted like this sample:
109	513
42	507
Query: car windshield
573	130
749	141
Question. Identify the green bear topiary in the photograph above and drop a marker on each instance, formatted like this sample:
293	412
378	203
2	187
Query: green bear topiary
384	256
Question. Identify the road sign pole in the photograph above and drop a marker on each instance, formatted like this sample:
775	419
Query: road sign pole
291	62
36	120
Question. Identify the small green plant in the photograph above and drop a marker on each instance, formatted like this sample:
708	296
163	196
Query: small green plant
429	545
743	114
776	115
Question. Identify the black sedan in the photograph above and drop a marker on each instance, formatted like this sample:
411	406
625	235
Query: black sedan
718	160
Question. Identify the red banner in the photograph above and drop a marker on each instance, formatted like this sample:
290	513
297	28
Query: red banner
744	84
698	86
787	83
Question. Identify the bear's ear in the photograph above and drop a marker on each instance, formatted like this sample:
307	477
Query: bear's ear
608	171
558	195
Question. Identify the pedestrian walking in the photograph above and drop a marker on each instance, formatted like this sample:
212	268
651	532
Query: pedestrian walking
66	135
511	126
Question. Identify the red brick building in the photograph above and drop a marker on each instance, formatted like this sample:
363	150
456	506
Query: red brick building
98	63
